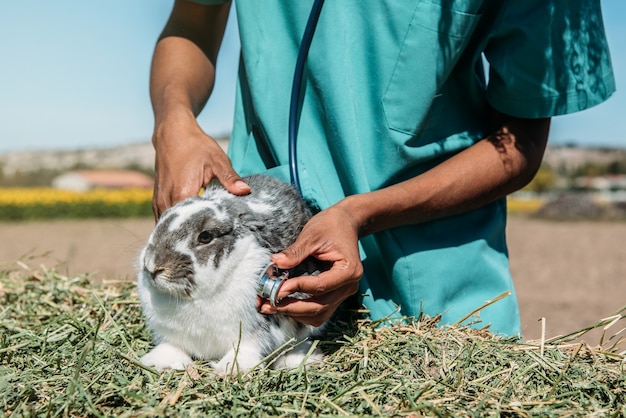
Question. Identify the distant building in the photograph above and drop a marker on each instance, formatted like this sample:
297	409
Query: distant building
81	180
612	182
606	189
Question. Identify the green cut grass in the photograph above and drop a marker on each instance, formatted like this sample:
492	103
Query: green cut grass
71	348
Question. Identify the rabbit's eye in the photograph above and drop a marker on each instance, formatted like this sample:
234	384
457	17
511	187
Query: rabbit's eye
205	237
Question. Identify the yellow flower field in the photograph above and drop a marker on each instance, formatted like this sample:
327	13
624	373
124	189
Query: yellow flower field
524	206
50	196
45	203
39	203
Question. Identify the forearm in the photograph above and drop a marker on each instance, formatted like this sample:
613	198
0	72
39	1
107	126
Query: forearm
183	65
181	80
177	87
491	169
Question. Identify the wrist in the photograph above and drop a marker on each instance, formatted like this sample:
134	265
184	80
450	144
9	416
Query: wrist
171	123
382	209
360	211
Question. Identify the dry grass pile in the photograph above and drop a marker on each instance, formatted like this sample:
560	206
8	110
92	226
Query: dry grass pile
70	348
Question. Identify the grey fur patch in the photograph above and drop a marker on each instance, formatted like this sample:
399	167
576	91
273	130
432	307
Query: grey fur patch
222	233
277	227
173	267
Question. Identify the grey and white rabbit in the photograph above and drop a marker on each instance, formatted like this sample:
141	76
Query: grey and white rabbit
199	272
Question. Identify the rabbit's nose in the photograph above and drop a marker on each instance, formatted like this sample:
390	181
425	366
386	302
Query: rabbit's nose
152	271
157	272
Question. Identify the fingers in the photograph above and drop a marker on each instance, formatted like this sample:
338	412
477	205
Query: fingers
184	178
293	255
307	243
157	210
220	167
329	289
167	195
314	311
341	274
232	182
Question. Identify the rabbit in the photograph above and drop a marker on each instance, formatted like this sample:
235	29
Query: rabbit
199	273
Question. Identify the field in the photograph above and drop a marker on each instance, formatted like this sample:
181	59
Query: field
571	273
70	344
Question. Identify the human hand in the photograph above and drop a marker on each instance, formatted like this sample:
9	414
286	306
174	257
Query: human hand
330	236
187	159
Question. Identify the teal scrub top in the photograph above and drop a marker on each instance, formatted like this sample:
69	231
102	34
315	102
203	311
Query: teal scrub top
393	88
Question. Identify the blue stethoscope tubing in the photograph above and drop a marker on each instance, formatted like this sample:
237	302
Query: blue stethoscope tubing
296	91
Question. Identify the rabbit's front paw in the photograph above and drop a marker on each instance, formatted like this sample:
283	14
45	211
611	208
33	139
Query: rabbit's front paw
166	356
235	362
300	354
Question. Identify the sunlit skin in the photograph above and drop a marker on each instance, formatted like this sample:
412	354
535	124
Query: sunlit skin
187	158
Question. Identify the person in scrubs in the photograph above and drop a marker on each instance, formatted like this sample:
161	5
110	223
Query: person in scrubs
417	119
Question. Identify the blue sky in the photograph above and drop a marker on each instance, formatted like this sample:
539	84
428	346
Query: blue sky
74	74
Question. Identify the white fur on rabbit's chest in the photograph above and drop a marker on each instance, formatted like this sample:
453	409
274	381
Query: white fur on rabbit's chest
203	334
202	329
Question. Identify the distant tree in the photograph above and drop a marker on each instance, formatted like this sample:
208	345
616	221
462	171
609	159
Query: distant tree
25	178
590	169
138	167
80	165
616	167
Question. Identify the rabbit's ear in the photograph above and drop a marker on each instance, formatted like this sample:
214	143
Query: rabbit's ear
251	221
266	236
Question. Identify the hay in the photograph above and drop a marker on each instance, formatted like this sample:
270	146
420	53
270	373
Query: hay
71	348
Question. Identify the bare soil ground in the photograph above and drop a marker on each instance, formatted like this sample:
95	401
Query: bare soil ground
571	273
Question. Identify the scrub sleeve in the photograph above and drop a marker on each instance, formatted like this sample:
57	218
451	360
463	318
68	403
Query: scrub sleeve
395	88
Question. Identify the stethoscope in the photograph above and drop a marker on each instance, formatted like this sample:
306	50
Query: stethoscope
296	91
272	277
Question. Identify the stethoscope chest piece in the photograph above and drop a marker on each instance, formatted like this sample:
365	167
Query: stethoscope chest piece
270	281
